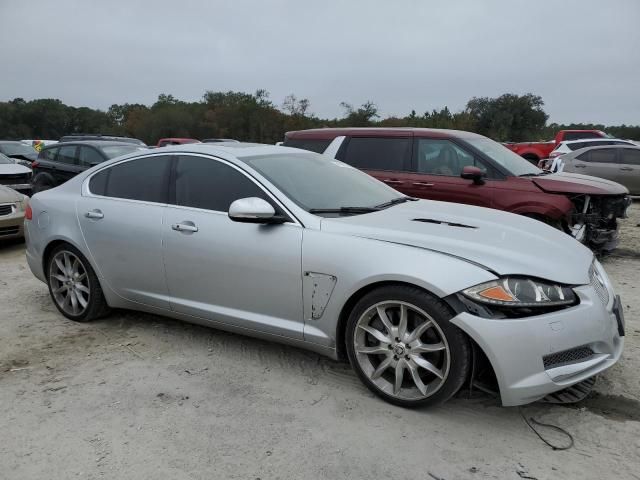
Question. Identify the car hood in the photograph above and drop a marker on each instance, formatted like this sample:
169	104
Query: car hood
9	195
502	242
13	169
576	183
26	156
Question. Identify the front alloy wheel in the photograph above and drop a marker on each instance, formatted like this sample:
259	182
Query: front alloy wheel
404	348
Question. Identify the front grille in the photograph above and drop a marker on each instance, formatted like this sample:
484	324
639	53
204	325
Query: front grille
15	178
566	356
9	231
6	209
598	285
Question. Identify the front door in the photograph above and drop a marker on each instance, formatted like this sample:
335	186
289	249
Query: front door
242	274
67	164
121	221
629	169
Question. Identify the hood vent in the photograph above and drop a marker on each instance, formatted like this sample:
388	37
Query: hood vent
440	222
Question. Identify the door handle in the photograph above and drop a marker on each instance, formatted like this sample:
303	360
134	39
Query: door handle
626	169
95	214
184	227
393	182
423	184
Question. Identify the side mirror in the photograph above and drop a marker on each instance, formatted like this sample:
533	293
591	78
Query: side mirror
253	210
473	173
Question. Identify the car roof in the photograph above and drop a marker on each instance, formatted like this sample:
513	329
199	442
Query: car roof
602	147
329	133
95	143
601	139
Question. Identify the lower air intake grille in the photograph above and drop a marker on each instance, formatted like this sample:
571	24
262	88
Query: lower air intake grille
566	356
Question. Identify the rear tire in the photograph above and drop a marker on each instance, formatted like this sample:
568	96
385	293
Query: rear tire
402	345
40	185
74	286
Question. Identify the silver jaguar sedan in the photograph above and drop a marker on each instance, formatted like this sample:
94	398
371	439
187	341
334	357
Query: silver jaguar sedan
296	247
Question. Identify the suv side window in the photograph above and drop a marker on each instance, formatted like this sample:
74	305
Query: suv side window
143	179
598	155
67	155
377	153
317	145
209	184
48	154
443	157
89	156
630	156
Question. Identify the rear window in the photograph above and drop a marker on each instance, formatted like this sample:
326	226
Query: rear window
378	153
312	144
113	151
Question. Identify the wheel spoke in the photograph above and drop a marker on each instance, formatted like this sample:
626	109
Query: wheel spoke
419	330
81	277
60	289
428	347
399	376
382	367
377	334
427	365
377	350
67	263
416	378
74	301
384	318
60	266
83	289
74	267
402	326
59	278
81	300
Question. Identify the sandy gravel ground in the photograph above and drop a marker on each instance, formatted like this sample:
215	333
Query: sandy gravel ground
140	396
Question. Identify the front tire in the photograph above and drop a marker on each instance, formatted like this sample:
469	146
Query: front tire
402	345
74	286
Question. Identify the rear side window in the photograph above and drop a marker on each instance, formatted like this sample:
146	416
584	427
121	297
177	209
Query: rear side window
48	154
598	155
579	135
311	144
579	145
212	185
378	153
144	179
67	155
631	156
89	156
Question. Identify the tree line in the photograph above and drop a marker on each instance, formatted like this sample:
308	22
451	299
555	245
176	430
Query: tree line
256	118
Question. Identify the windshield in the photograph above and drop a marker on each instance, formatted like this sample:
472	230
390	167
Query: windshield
513	163
316	182
113	151
5	160
16	149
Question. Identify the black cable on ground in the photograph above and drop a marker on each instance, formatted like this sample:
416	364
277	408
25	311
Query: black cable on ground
532	421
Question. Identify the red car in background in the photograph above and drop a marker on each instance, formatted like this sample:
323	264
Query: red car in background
463	167
536	151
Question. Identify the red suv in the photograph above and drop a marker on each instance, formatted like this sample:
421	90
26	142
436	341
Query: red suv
463	167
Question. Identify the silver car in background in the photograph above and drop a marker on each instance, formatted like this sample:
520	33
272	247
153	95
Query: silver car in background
619	163
296	247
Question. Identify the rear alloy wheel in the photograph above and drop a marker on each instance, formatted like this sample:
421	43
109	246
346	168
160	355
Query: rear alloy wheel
403	347
73	285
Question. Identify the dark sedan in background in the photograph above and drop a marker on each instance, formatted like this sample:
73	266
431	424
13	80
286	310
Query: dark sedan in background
58	163
24	154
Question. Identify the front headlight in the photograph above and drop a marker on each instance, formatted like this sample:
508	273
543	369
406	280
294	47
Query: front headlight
521	292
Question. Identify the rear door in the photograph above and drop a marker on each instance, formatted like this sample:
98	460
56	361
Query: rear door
121	214
437	165
629	169
386	158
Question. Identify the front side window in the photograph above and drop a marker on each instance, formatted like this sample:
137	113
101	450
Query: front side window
144	179
599	155
48	154
67	155
511	162
367	153
443	157
210	184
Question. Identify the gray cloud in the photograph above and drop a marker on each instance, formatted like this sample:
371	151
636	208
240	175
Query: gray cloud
582	57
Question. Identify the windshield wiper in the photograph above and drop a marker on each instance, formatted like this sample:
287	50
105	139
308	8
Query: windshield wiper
396	201
344	210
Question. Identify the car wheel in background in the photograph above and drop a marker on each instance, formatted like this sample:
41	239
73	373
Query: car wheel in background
40	185
73	285
402	345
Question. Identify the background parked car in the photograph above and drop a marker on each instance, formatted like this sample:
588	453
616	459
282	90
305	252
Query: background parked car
619	163
58	163
536	151
19	151
219	140
571	145
464	167
12	205
98	136
163	142
15	175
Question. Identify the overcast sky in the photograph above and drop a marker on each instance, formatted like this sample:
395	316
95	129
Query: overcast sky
581	56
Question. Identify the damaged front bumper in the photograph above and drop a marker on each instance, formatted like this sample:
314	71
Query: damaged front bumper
594	221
